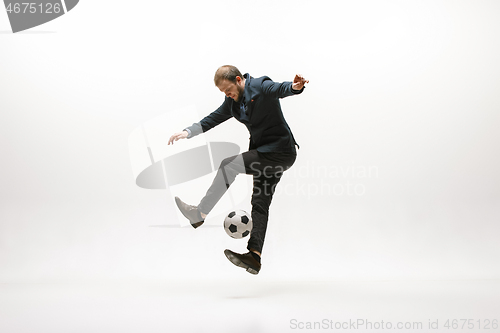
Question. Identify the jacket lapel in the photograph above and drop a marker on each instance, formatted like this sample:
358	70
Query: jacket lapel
248	98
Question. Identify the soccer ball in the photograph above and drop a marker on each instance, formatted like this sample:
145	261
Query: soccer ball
238	224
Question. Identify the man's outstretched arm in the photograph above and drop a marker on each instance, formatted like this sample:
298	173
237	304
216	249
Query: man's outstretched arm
284	89
220	115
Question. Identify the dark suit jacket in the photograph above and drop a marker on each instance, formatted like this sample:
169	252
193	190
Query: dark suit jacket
268	129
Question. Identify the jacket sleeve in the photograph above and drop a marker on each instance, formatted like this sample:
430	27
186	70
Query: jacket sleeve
215	118
278	90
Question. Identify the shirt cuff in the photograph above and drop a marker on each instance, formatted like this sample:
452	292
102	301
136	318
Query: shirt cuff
297	91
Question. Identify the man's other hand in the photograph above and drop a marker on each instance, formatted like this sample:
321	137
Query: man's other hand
177	136
298	82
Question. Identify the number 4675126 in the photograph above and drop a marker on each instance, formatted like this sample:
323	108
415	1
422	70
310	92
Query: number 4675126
32	8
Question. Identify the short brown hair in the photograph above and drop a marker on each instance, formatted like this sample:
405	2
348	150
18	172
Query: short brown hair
226	72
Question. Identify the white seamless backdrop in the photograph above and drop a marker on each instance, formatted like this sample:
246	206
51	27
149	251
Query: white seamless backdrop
397	174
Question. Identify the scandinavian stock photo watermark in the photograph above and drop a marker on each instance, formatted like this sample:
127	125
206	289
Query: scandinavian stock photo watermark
474	325
314	179
24	15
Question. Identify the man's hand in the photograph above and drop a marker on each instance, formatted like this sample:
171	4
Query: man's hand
298	82
177	136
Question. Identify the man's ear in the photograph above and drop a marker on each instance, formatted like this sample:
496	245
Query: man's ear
239	80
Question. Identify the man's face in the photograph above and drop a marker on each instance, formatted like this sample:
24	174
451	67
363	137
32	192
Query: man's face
231	89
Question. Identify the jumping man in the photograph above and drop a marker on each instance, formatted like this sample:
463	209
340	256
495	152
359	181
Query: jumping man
255	103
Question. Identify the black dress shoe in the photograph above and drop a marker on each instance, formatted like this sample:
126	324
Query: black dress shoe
190	212
246	261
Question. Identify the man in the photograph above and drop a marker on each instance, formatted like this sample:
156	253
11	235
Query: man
255	103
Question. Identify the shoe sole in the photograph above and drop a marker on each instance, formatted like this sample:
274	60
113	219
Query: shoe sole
239	263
